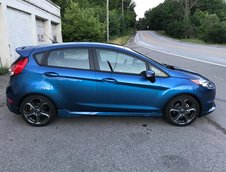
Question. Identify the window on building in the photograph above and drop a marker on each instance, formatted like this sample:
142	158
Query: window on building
40	24
54	31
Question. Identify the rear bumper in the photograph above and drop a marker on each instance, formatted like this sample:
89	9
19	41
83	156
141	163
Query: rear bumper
13	109
10	101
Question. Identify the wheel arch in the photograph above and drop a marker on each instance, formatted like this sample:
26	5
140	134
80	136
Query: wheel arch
189	94
38	94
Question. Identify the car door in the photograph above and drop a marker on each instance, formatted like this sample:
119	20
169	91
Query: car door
122	85
69	79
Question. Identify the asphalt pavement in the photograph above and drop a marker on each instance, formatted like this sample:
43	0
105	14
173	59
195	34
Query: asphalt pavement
211	54
121	143
3	82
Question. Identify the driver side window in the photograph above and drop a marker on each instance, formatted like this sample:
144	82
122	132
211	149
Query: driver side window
119	62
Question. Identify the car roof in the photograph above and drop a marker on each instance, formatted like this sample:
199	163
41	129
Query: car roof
27	50
80	44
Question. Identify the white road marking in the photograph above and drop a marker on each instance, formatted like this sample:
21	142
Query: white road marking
185	57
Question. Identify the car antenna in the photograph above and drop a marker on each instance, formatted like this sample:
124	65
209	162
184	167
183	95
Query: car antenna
53	42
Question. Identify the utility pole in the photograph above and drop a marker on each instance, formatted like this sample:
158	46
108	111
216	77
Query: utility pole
107	8
123	20
122	9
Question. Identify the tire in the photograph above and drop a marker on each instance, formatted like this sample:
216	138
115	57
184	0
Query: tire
182	110
37	110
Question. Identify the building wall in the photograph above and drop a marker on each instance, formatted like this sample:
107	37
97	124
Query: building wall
27	22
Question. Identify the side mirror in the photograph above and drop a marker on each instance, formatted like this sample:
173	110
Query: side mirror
150	75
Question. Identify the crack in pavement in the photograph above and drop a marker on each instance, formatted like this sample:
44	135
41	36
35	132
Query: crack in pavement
216	125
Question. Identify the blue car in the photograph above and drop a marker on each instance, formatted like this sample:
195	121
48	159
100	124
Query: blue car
74	79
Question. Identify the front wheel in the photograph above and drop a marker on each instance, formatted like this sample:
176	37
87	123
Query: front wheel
37	110
182	110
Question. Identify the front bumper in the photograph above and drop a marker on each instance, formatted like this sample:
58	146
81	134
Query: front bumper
210	110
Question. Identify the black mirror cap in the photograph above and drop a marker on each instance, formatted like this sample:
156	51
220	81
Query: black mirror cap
150	75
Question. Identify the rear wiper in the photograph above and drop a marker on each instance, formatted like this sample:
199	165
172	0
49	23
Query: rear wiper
109	64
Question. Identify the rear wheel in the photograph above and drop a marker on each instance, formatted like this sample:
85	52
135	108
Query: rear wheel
37	110
182	110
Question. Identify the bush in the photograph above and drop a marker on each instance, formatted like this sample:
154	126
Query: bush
217	33
176	29
81	24
3	71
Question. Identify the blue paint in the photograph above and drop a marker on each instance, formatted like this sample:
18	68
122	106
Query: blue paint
77	92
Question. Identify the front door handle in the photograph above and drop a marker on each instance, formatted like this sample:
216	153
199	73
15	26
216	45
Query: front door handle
110	80
51	74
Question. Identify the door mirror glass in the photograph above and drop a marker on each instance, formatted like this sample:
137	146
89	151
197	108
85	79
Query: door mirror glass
150	75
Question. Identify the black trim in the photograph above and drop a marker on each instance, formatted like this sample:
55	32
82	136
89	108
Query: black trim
69	68
91	60
95	59
167	75
44	56
150	59
45	59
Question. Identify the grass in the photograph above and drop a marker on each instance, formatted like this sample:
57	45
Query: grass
199	41
3	70
121	40
190	40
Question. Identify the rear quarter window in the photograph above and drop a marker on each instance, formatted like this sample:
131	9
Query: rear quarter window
39	58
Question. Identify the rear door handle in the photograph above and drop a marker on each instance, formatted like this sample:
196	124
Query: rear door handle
51	74
110	80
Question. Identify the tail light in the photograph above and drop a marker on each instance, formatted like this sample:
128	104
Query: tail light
18	66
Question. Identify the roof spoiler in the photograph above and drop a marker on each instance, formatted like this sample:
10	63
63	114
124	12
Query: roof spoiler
25	50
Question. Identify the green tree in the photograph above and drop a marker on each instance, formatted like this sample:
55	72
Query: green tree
97	8
115	19
166	16
213	7
63	5
202	19
80	24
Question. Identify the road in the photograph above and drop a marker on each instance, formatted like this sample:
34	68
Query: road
122	143
202	53
206	60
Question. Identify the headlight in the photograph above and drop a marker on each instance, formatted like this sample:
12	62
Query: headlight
203	82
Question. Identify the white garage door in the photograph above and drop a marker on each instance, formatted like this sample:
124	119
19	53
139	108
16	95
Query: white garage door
20	30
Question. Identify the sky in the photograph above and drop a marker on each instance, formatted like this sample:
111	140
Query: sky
144	5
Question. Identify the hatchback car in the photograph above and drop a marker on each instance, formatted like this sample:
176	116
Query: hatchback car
74	79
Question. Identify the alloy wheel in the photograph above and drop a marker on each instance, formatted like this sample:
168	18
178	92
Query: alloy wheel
182	110
37	110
